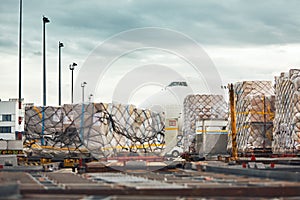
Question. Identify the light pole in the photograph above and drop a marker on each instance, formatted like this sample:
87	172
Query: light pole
82	85
82	112
45	21
72	69
90	97
20	55
60	45
20	73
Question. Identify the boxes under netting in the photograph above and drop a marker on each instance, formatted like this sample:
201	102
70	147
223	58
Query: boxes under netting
205	116
287	119
100	129
254	108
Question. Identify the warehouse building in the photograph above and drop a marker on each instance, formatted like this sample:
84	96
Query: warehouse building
9	116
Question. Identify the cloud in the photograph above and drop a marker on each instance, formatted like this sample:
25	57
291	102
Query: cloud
257	62
237	34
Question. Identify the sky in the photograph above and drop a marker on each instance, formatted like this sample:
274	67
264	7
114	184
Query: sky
245	40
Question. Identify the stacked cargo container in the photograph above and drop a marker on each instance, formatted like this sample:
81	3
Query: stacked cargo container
201	110
287	119
198	107
254	108
104	129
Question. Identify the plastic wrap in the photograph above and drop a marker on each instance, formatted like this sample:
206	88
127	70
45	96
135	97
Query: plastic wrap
287	119
99	128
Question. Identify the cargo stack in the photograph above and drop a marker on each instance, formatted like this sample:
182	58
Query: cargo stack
56	135
200	109
52	121
102	129
124	128
287	118
254	108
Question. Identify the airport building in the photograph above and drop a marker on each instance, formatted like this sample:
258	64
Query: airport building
9	116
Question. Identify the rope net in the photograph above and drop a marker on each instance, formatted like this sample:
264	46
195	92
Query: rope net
197	108
254	108
287	118
103	130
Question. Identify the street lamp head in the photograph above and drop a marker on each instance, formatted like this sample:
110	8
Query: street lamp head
90	97
60	44
72	66
45	20
83	84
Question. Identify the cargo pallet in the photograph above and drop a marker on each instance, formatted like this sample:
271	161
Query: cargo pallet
66	162
258	152
137	158
285	155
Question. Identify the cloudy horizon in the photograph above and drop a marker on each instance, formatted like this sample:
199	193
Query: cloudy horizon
246	40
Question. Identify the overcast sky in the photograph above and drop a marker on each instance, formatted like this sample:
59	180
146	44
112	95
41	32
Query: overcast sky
246	40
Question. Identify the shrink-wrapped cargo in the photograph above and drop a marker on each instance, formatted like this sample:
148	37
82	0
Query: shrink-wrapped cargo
102	129
203	109
196	107
287	119
254	109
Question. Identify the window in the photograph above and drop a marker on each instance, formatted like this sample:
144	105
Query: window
6	118
5	129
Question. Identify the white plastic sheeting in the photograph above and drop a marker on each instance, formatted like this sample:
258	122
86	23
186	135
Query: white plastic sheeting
254	108
201	107
102	129
287	119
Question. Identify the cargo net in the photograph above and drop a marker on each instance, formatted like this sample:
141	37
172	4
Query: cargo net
287	119
103	130
197	108
254	108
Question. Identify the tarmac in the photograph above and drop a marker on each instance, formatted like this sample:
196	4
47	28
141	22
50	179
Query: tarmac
199	180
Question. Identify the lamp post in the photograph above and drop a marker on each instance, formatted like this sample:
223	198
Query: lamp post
45	21
60	45
90	97
83	85
20	55
19	136
72	69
